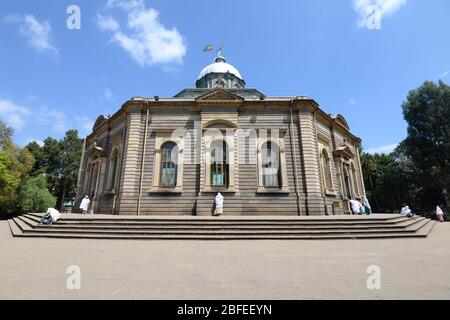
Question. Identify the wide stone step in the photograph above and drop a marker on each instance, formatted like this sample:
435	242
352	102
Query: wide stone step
213	229
221	221
215	237
59	225
223	231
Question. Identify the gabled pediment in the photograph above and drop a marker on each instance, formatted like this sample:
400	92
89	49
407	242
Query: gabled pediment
220	96
344	152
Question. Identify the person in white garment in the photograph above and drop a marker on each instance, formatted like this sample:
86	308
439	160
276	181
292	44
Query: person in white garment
219	205
439	214
84	206
357	207
366	204
406	212
55	214
51	216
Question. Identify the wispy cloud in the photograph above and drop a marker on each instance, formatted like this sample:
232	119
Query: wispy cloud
365	8
143	37
37	33
386	149
13	114
107	23
57	120
39	142
444	74
352	101
84	124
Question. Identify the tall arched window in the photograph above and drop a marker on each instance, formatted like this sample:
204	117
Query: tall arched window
169	166
219	164
326	169
114	166
270	161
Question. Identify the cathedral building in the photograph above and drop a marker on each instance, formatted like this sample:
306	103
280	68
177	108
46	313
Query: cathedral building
265	155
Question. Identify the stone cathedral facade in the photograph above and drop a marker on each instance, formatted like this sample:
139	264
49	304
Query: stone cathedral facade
266	155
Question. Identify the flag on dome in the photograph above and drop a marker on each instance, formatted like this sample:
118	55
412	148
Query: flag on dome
208	48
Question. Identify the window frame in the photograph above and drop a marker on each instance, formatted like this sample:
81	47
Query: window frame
160	140
324	152
282	174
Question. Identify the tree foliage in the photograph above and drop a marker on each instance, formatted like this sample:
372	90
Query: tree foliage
59	160
34	195
418	172
15	164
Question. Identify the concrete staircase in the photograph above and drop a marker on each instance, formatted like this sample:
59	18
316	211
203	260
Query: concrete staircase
224	228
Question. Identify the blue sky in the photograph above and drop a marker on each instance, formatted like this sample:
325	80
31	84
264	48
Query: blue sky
351	60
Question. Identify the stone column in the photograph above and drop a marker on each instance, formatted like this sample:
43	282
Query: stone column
130	173
308	149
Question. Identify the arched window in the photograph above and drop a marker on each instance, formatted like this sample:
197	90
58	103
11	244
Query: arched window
219	164
169	166
114	166
270	161
326	169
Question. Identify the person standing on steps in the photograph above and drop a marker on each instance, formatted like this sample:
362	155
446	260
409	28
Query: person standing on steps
84	206
219	205
439	214
366	204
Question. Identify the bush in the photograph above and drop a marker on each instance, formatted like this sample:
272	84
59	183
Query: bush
34	195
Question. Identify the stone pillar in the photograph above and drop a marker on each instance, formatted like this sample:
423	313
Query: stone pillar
131	165
310	162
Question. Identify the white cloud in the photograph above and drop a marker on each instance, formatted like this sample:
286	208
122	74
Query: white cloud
84	124
39	142
13	114
444	75
38	33
107	23
352	101
144	38
55	119
385	8
386	149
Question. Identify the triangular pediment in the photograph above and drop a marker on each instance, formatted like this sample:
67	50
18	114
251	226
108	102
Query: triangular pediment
219	95
344	152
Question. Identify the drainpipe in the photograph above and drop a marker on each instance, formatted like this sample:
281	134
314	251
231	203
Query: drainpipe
142	162
121	163
291	135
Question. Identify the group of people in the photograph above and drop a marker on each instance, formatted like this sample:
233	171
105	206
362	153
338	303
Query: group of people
361	207
406	211
52	215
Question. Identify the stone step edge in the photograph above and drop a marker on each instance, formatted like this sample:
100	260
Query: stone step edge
213	232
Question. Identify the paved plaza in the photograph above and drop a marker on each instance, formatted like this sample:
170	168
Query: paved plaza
321	269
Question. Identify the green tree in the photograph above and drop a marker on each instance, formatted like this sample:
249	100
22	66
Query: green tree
34	195
70	157
39	156
5	134
427	146
387	180
60	161
15	164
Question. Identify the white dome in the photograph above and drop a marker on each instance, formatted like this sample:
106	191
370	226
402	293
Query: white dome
219	66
